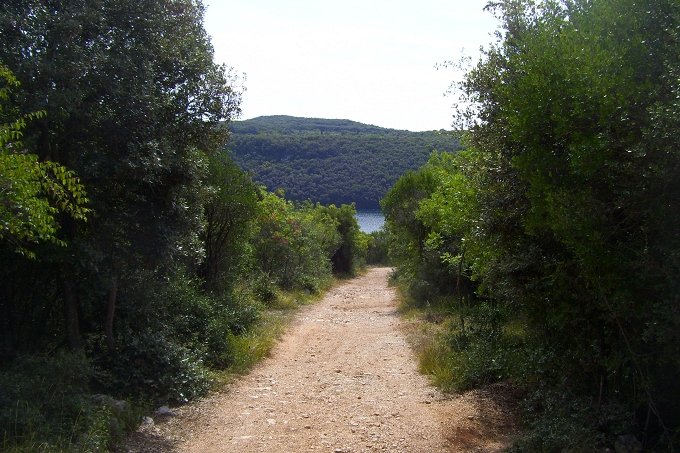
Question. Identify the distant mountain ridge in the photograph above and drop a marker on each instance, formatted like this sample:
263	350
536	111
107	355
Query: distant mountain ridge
285	123
331	161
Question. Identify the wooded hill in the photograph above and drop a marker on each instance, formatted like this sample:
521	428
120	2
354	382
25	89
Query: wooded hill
331	161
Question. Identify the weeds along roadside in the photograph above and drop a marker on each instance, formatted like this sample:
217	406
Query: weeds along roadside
459	351
255	345
457	348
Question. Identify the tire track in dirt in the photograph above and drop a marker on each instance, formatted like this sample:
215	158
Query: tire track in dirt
342	379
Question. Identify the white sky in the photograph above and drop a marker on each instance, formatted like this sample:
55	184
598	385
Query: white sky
371	61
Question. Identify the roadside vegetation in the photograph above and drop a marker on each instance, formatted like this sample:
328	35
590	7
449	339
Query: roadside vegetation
139	265
547	254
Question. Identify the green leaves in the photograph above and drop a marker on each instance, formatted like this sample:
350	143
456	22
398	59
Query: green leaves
565	208
230	211
572	89
32	193
294	245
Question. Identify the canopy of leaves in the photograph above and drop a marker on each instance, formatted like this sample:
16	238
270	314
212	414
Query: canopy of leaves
32	193
130	93
131	101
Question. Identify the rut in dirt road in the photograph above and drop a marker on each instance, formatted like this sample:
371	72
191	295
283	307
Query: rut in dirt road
342	379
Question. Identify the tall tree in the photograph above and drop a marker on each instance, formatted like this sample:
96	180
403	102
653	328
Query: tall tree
564	213
230	209
133	100
578	195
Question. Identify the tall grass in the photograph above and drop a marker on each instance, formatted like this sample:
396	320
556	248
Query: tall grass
458	349
251	347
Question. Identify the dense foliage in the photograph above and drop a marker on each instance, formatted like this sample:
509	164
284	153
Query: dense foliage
554	238
331	161
135	256
376	253
33	192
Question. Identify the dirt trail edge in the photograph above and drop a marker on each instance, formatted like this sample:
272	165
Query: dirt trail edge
342	379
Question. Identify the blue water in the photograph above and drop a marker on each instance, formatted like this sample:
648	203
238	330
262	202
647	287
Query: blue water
370	220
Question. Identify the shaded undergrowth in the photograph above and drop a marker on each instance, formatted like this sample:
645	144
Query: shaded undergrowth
50	402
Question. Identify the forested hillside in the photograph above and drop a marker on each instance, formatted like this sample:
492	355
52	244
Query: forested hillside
331	161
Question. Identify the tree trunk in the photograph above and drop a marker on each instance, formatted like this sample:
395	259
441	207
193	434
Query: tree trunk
110	313
8	324
460	293
71	307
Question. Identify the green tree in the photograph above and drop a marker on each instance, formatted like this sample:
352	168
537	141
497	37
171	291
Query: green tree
563	214
32	193
351	253
230	210
133	102
575	191
419	267
294	245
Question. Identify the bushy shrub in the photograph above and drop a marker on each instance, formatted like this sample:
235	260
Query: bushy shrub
45	405
294	245
152	365
264	288
351	251
169	333
473	349
564	421
376	252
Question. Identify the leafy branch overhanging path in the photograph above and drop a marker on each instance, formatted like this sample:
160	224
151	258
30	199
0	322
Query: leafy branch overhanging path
342	379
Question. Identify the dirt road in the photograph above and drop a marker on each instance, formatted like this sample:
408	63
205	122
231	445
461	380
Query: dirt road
343	379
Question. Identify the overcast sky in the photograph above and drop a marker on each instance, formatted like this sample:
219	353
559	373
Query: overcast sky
371	61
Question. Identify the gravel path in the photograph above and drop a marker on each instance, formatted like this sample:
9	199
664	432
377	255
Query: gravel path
342	379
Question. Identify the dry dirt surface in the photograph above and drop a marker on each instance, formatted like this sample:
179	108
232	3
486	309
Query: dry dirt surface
342	379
